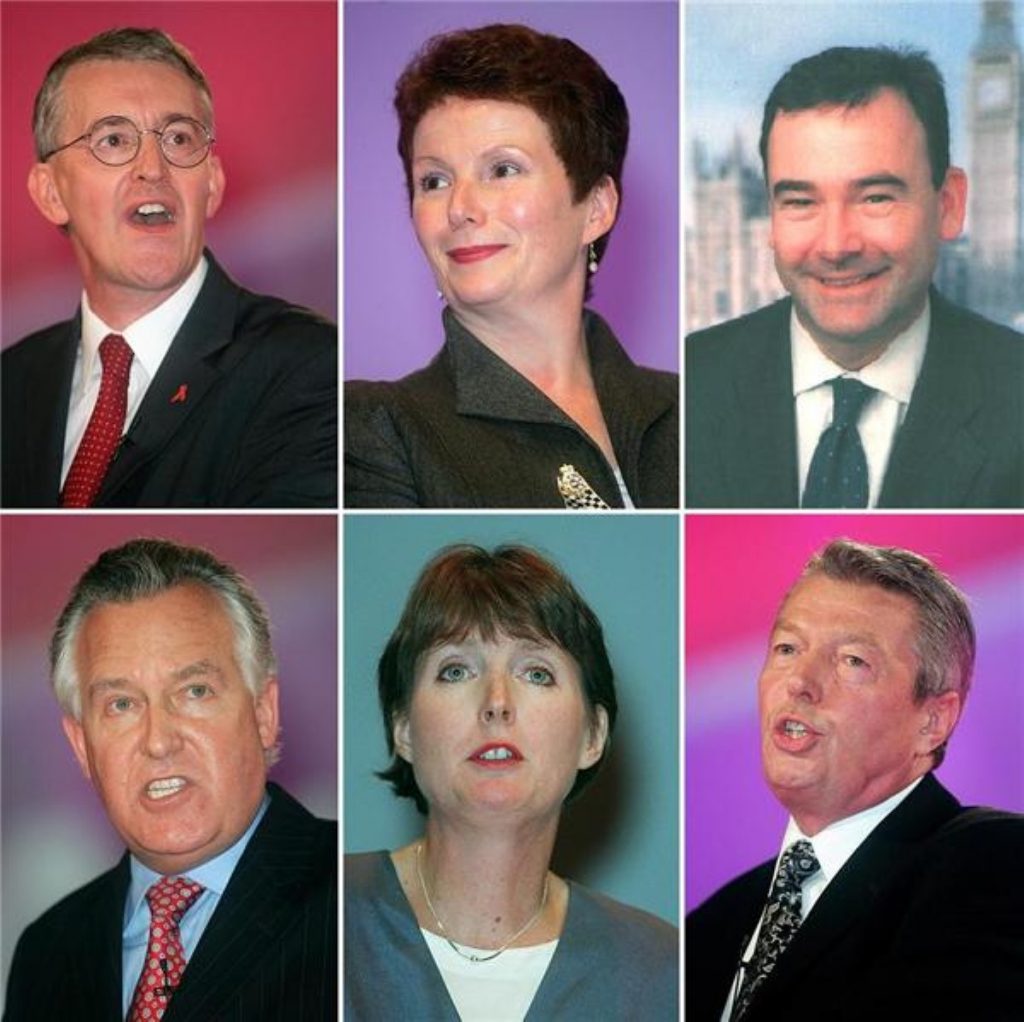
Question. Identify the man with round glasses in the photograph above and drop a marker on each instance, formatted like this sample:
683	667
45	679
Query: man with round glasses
172	386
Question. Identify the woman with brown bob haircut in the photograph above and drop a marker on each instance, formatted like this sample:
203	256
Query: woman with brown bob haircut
513	145
499	702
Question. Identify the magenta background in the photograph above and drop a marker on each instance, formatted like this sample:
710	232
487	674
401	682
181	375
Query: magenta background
392	315
737	569
55	835
267	64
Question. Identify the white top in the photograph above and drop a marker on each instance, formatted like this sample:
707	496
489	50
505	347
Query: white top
893	374
500	990
149	337
833	846
627	500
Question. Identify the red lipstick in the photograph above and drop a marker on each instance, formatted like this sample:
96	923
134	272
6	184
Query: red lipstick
496	755
473	253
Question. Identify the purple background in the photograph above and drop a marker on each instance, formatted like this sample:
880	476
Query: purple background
737	569
55	834
392	315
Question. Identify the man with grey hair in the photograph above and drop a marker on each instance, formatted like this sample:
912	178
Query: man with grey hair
172	386
225	903
888	899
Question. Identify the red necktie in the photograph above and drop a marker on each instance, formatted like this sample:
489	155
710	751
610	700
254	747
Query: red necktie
106	424
169	899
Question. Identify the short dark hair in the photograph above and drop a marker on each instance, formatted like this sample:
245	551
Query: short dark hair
945	632
851	76
511	591
564	86
115	44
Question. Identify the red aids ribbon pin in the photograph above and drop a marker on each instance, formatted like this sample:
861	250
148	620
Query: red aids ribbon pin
180	394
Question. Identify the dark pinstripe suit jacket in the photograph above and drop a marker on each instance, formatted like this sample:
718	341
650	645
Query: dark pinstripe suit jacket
268	954
469	431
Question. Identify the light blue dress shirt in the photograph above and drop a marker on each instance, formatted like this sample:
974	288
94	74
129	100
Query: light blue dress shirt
213	875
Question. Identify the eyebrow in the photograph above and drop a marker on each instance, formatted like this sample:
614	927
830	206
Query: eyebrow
871	181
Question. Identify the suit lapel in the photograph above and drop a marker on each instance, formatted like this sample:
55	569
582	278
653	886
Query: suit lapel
760	425
867	876
939	423
95	985
259	904
189	369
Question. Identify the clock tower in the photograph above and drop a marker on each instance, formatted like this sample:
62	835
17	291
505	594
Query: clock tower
996	210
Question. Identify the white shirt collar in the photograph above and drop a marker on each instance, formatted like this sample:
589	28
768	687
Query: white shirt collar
838	841
894	372
150	335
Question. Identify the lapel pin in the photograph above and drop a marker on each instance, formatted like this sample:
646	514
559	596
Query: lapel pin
180	394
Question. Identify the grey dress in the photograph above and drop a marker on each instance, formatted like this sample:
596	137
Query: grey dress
612	961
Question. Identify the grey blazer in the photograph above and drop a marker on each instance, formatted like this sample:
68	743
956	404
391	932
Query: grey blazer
469	431
612	961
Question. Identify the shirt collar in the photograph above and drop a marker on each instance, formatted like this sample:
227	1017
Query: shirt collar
213	875
150	335
894	372
838	841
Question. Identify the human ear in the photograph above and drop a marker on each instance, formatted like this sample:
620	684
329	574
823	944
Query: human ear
597	737
217	185
952	204
401	735
602	209
943	711
43	190
75	734
267	720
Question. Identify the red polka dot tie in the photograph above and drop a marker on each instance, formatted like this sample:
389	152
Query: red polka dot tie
169	899
106	424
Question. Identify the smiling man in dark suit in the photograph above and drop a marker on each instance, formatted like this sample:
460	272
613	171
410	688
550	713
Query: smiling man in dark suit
225	904
866	387
172	386
888	900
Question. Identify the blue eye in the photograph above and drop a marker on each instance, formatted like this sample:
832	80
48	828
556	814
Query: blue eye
453	673
539	676
120	704
200	690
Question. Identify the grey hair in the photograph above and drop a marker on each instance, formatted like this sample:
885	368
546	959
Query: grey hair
116	44
148	567
945	642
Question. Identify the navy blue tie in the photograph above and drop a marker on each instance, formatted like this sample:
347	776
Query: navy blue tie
838	476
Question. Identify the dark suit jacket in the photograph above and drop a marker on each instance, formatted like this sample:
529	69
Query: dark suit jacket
960	446
612	962
925	921
469	431
258	426
268	954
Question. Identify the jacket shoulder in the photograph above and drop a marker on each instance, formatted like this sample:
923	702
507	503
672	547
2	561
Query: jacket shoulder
268	319
643	933
740	331
35	345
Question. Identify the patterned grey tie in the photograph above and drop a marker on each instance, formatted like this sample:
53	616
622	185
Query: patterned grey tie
780	921
838	476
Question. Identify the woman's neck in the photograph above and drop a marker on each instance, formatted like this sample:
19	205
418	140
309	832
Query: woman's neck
483	887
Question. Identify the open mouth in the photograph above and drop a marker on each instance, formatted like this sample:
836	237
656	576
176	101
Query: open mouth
165	787
152	214
497	754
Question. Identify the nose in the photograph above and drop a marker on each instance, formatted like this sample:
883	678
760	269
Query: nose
161	736
497	706
804	681
150	164
464	204
840	233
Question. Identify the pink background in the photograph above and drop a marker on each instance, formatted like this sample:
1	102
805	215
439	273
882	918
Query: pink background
272	68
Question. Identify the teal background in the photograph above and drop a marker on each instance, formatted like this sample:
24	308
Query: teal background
622	835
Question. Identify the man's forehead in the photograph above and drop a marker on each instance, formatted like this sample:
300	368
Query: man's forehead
870	599
138	83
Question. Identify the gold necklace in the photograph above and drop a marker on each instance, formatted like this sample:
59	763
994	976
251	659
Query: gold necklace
444	933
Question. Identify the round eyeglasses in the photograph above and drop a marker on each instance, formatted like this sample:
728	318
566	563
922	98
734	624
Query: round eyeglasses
115	141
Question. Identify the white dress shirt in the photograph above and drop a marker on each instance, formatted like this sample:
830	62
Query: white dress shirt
893	375
149	337
833	846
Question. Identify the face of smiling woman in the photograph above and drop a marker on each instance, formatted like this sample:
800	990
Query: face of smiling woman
493	208
498	728
170	736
